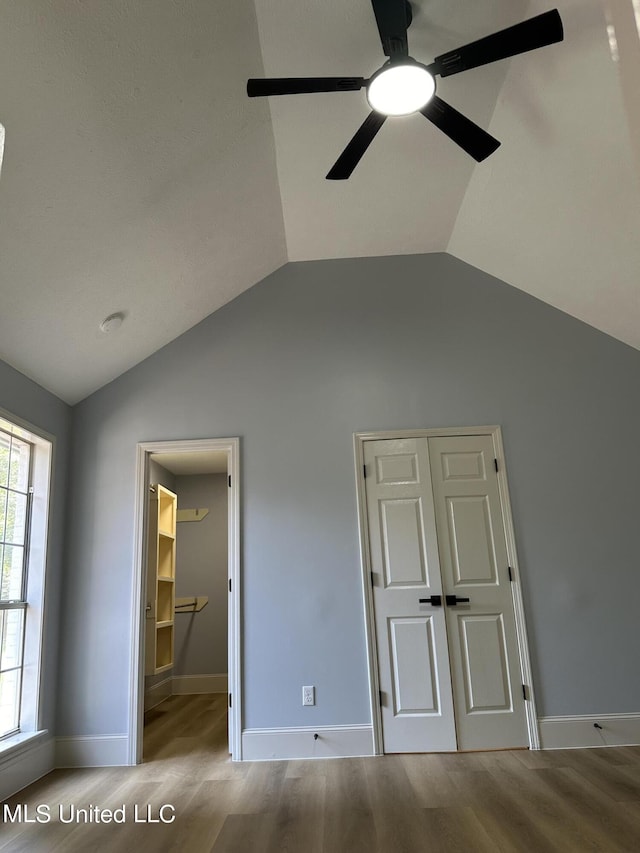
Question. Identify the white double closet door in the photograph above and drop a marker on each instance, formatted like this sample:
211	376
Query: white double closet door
449	673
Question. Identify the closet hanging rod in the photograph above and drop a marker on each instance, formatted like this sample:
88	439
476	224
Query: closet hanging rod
193	604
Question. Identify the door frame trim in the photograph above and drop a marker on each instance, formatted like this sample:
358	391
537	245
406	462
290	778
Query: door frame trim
137	663
359	439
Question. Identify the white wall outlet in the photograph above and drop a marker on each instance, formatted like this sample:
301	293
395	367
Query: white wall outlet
309	695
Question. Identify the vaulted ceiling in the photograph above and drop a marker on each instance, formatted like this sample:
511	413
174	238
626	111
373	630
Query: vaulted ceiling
138	177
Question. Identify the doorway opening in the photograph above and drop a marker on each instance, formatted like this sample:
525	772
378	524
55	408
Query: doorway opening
186	589
449	666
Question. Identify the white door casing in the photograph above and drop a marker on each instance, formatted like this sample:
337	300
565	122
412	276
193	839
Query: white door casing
491	631
483	644
413	661
138	615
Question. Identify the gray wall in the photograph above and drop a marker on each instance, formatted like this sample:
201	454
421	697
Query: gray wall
24	399
158	474
201	569
294	366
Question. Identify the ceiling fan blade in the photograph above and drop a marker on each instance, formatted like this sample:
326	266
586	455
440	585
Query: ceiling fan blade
350	157
536	32
302	85
393	17
473	139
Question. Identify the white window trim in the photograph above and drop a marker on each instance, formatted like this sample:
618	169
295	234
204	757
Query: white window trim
44	446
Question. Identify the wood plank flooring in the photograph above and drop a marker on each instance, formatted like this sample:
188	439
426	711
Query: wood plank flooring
573	800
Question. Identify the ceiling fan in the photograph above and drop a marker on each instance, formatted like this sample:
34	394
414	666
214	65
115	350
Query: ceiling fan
403	85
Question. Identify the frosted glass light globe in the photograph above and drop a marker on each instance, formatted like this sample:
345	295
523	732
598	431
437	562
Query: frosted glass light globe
400	90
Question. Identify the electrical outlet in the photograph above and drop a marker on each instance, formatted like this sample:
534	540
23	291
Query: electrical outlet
309	695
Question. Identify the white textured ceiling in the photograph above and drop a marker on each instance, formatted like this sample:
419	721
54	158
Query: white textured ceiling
138	176
189	462
558	212
135	179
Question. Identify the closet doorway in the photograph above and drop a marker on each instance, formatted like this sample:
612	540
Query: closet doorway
187	535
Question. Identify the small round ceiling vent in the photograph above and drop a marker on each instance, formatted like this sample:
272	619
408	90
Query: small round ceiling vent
112	322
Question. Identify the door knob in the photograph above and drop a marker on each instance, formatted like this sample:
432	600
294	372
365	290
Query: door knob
452	600
436	600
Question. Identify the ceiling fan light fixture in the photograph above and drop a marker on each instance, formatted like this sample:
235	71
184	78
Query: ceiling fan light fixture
400	89
403	86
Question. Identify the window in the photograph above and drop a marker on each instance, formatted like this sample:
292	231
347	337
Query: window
25	462
15	485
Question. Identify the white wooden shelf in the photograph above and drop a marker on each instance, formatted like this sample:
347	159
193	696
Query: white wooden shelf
161	573
192	514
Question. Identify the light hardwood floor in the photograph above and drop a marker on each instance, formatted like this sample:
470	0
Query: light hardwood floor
573	800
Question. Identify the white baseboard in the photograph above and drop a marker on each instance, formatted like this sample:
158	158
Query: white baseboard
92	751
158	693
26	766
184	685
332	742
580	732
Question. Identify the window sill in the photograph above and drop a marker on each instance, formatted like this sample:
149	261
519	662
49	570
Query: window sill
14	745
